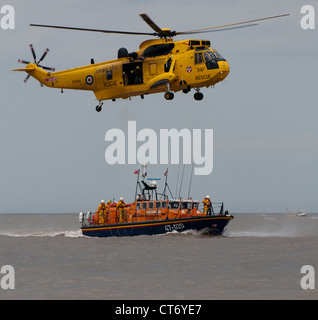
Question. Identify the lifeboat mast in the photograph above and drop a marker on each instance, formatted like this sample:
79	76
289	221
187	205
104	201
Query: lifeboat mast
149	190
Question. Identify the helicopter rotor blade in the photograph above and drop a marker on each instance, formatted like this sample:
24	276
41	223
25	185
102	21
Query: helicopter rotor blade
26	79
147	19
93	30
44	54
229	25
23	61
33	52
160	32
47	68
219	29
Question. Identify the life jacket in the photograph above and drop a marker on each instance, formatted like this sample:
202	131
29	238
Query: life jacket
121	204
206	202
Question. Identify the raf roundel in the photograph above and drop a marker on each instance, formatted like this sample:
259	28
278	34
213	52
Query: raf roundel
189	69
89	80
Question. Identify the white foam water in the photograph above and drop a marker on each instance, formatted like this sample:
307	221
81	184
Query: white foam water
51	234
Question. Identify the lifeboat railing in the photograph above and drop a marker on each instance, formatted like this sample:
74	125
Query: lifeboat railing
217	208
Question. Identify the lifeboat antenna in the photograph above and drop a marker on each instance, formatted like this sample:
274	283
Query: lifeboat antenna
181	182
144	172
166	186
190	181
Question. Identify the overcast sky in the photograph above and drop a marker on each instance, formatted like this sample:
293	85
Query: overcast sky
264	115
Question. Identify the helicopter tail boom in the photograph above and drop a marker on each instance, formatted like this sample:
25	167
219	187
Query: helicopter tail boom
34	71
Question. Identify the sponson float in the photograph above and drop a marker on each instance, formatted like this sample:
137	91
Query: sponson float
153	213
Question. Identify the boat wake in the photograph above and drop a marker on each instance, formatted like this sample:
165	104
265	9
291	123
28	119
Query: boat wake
271	226
43	234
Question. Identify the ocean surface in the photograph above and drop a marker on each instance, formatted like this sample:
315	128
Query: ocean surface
260	256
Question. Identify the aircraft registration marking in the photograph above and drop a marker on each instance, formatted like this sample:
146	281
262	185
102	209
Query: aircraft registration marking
50	79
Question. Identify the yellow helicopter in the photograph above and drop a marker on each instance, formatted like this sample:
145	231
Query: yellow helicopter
160	65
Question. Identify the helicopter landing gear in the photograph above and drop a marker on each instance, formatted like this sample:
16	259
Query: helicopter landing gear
99	107
187	90
169	95
198	95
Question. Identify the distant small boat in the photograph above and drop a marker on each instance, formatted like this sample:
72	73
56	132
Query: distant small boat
299	213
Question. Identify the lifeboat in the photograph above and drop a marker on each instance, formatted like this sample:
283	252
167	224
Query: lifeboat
154	213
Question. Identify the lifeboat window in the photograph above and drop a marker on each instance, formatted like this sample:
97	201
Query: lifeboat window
186	205
158	205
174	205
151	205
164	205
138	205
195	205
144	205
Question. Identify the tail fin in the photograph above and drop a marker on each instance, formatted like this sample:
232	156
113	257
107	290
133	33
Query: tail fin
25	69
34	71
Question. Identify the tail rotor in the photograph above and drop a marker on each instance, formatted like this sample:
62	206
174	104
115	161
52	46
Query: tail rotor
36	62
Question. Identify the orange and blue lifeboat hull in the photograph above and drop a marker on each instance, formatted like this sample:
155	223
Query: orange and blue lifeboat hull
214	225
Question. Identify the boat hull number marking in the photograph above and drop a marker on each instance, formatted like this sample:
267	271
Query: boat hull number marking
175	226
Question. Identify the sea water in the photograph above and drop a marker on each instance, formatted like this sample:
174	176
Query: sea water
260	256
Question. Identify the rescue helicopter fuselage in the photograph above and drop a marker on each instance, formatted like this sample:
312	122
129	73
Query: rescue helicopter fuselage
160	65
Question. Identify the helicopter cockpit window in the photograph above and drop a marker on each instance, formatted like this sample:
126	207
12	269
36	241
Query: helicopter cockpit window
210	60
218	56
158	50
198	58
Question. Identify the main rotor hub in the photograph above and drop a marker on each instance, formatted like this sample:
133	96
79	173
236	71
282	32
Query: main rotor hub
166	33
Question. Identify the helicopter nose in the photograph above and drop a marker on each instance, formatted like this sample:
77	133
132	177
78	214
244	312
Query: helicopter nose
224	68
